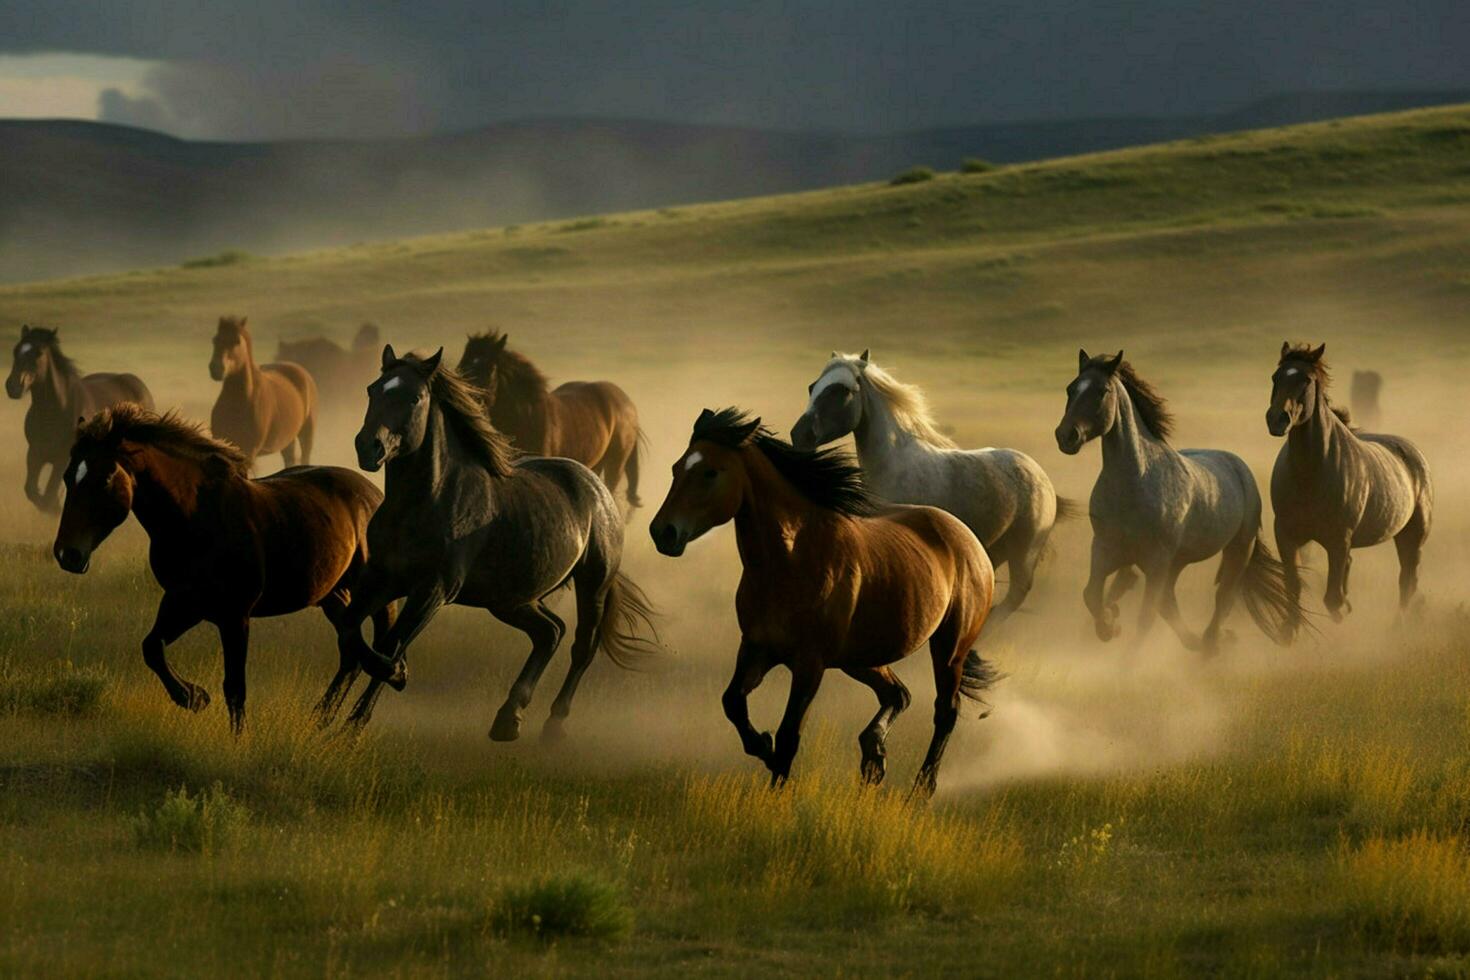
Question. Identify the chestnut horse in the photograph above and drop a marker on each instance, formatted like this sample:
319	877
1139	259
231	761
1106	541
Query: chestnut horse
263	409
60	394
1340	487
831	579
593	422
225	548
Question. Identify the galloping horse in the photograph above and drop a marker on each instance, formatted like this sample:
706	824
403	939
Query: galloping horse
60	394
832	579
1337	486
225	548
463	522
1001	494
1163	509
593	422
263	409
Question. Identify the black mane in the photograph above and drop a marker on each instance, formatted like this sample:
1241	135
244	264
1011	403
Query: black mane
828	477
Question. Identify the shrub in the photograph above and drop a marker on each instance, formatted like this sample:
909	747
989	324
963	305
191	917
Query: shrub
203	824
976	165
913	175
566	905
1412	893
227	257
62	689
585	224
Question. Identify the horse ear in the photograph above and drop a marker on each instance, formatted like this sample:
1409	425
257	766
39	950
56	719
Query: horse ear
1285	347
748	429
1082	358
388	356
705	415
504	339
1317	354
1114	362
864	355
431	364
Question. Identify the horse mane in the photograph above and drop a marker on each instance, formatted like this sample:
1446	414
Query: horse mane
460	402
1152	410
828	477
46	337
171	433
515	376
907	402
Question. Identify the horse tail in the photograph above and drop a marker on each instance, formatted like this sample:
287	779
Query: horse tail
1070	510
979	676
1263	587
628	629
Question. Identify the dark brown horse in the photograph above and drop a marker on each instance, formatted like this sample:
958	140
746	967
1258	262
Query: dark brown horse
1339	487
593	422
225	548
263	409
832	580
339	373
60	394
465	522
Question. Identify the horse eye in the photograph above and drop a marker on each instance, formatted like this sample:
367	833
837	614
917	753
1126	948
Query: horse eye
711	473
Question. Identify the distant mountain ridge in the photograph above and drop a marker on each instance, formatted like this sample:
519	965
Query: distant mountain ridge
79	197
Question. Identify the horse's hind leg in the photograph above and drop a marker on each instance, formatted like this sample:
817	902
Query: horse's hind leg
949	668
235	637
631	472
288	454
305	436
545	629
893	698
591	604
1410	545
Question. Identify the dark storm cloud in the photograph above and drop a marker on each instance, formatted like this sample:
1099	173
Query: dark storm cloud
329	67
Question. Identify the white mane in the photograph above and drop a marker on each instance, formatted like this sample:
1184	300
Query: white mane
907	402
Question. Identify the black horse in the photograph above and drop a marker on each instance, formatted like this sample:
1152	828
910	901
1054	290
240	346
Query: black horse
464	521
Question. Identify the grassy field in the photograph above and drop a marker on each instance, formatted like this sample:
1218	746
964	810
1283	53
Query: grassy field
1125	810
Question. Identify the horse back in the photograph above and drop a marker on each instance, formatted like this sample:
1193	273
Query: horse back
104	390
589	418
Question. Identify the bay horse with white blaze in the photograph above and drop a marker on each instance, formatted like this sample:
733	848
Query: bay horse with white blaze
593	422
1162	509
833	579
464	521
225	548
263	409
60	395
1339	487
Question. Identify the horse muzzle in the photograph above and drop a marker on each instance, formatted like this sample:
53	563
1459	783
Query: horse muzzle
216	371
17	384
1069	439
373	451
73	560
804	433
668	539
1278	421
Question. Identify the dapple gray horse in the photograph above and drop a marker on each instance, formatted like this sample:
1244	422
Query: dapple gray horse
1339	487
1160	510
1002	495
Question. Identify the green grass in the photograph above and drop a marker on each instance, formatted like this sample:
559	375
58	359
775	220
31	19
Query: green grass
1122	812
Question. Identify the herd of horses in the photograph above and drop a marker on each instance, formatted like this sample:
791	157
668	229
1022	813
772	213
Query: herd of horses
498	492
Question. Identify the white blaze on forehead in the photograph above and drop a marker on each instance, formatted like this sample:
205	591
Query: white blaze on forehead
1083	385
692	460
1292	372
81	471
24	348
392	383
837	374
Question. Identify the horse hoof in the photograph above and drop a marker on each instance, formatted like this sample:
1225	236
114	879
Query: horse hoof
552	732
198	698
507	727
873	771
1107	631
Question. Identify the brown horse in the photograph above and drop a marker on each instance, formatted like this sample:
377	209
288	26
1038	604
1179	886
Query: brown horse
1340	487
60	394
225	548
339	373
593	422
263	409
832	580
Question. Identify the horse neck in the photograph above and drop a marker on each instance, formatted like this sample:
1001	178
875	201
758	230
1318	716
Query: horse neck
1309	446
166	492
878	436
1129	447
423	474
245	381
771	515
55	389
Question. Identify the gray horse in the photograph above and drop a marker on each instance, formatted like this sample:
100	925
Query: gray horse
1002	495
463	521
1337	486
1160	509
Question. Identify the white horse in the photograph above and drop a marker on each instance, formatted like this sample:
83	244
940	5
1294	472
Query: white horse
1003	495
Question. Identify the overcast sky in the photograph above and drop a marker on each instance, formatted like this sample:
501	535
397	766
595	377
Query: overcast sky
255	69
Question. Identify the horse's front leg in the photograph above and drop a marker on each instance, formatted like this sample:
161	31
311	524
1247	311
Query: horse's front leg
371	596
50	500
34	463
806	677
1288	548
1105	562
235	638
386	660
751	666
175	617
1155	582
1339	562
